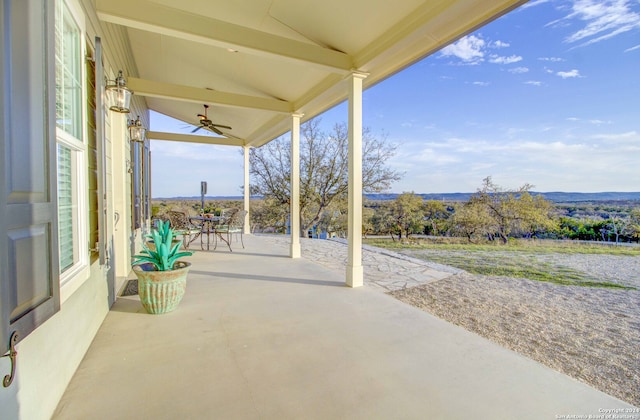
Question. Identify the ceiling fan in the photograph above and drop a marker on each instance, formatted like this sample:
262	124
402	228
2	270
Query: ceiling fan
206	123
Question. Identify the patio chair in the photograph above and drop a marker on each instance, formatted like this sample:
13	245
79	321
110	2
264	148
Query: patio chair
233	225
183	227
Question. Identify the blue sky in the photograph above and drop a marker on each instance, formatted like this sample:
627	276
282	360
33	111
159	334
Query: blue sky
547	95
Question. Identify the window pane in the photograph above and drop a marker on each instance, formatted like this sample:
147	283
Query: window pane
65	207
68	73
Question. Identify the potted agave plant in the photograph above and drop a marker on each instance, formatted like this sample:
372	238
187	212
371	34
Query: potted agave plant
162	279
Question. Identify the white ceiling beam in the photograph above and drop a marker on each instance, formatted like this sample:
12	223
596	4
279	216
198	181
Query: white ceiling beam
154	89
402	30
271	129
192	138
153	17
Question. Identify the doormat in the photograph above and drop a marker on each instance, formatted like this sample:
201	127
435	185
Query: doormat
131	289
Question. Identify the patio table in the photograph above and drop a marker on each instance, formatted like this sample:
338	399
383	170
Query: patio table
208	225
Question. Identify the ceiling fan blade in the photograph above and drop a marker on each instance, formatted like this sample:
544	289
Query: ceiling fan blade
215	130
226	127
196	129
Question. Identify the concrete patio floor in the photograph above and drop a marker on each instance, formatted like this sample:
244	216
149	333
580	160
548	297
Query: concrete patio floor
261	336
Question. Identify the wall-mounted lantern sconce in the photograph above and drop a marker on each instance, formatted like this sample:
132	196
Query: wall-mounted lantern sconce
136	130
118	95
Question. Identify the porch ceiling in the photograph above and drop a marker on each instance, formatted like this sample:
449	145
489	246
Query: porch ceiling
257	61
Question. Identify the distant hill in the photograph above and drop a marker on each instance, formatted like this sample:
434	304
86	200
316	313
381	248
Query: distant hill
208	197
564	197
556	196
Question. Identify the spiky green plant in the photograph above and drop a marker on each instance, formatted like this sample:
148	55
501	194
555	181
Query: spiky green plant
166	253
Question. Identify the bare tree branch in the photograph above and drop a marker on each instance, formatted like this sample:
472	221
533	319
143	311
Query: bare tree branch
323	169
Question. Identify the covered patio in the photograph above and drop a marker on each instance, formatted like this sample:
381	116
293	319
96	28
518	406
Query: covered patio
263	332
261	335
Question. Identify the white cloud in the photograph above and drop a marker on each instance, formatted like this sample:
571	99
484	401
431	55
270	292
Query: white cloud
499	44
430	156
472	50
569	74
632	48
469	49
505	60
533	83
534	3
632	137
549	158
593	121
552	59
519	70
481	83
482	166
601	20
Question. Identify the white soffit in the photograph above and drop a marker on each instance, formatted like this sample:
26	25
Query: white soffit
264	59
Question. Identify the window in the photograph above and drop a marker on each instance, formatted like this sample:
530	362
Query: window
71	149
141	191
68	73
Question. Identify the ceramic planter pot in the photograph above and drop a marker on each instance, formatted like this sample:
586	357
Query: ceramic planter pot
161	291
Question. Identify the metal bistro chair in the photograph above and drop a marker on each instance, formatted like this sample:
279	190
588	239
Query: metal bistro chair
233	224
183	227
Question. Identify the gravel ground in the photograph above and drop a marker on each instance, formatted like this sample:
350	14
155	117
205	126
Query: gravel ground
590	334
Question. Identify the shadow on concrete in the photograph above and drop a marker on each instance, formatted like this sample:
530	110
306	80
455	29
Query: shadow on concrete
129	304
241	276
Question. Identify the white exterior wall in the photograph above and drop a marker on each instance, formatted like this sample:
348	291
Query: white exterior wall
48	357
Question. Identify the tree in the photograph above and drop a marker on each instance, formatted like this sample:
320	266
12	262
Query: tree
510	211
614	226
382	221
623	227
408	214
323	169
633	228
535	215
435	212
502	205
472	219
334	218
367	220
266	215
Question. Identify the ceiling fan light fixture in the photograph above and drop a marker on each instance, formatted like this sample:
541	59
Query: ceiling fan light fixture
118	95
207	124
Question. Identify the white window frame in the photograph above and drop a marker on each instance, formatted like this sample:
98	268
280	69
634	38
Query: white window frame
72	278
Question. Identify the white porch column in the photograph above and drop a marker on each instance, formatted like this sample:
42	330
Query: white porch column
294	213
247	193
355	276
